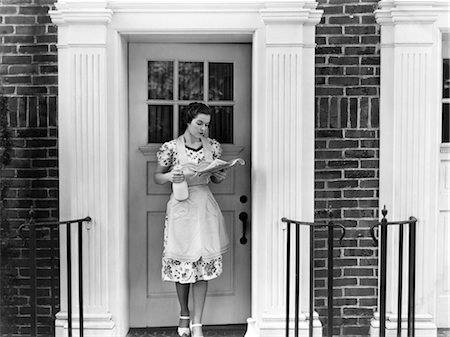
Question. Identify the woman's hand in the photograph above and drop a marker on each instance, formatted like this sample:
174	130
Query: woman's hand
162	175
218	176
176	176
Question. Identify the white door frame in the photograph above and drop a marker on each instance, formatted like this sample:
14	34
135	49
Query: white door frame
93	135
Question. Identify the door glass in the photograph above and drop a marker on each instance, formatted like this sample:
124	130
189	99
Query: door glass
160	121
446	101
166	109
220	81
221	127
160	79
191	80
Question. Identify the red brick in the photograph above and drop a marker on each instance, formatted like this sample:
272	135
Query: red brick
20	20
17	59
342	184
33	10
8	9
34	49
343	163
6	29
329	30
343	20
360	30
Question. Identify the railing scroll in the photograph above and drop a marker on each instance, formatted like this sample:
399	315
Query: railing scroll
31	225
312	226
383	227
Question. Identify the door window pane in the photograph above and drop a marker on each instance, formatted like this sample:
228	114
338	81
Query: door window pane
446	79
221	127
160	123
160	80
191	80
220	81
446	122
445	101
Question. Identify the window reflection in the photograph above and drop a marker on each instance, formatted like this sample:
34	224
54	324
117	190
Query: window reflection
220	81
160	123
190	80
160	80
446	101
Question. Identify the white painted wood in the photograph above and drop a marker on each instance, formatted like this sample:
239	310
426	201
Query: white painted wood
84	175
107	25
409	144
289	63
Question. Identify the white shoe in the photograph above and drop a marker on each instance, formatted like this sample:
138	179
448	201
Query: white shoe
184	331
192	330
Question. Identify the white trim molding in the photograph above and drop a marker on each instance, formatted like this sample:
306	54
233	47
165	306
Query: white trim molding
411	58
93	135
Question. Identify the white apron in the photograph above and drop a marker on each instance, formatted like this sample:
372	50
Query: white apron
195	226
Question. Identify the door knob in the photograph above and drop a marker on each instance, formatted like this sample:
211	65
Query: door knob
243	216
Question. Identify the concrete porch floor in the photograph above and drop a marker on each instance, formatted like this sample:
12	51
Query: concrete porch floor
215	331
234	330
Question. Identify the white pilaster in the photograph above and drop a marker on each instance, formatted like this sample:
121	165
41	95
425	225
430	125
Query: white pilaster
83	154
409	144
289	150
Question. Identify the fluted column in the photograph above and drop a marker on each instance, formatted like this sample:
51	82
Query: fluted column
409	146
289	155
83	157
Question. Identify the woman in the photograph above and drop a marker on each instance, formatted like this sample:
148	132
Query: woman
194	235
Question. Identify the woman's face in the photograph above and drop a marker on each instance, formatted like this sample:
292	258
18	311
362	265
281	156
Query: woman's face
198	127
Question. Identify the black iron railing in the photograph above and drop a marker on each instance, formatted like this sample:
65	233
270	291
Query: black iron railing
312	226
411	225
32	226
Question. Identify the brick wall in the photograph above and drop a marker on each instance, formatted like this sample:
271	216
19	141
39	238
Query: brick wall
346	157
28	77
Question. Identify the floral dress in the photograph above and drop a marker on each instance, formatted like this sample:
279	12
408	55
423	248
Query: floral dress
187	271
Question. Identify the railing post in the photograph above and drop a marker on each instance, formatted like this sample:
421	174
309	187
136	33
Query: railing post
330	278
80	276
412	277
311	280
69	278
383	268
400	281
288	274
297	276
33	275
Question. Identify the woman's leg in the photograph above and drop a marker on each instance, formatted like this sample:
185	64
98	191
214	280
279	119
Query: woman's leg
183	298
199	290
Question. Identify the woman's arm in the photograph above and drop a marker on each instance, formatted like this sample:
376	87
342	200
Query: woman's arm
162	175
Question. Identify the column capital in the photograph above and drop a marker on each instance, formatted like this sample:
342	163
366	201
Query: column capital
392	12
293	12
81	12
81	24
290	23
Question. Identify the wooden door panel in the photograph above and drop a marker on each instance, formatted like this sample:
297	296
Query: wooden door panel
152	301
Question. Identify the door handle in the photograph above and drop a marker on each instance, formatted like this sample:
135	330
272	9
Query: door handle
243	216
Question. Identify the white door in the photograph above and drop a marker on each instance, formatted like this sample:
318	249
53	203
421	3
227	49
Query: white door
163	79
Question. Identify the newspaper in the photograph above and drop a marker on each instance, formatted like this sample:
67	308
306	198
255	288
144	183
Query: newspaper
218	165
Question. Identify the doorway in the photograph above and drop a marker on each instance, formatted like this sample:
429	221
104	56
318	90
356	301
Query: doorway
163	79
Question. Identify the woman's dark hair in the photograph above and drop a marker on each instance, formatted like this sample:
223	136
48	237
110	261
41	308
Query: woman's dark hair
193	110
